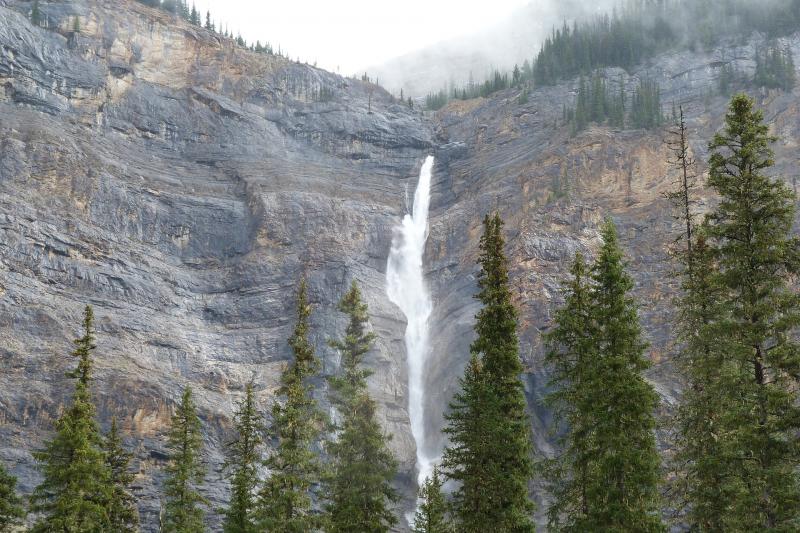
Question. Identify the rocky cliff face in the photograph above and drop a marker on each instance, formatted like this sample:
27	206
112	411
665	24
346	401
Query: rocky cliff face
554	191
182	186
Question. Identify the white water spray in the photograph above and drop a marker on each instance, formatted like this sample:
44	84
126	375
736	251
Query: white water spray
405	286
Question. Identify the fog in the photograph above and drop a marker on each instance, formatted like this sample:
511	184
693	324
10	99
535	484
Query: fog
416	44
346	36
424	45
512	40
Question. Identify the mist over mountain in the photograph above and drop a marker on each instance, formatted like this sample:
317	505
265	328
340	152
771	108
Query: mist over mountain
500	47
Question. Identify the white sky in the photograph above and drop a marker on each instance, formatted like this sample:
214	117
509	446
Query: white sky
350	35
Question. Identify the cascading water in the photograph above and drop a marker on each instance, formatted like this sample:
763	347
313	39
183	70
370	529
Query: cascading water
405	286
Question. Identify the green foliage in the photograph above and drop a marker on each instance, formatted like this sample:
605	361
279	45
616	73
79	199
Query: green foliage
646	112
431	515
123	515
775	69
183	512
755	259
285	502
559	186
642	29
177	7
267	49
11	509
75	491
706	468
607	477
494	82
436	101
194	16
698	459
571	347
36	13
596	104
490	451
242	467
359	493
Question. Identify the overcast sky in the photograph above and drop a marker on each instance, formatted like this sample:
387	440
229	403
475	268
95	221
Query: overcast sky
350	35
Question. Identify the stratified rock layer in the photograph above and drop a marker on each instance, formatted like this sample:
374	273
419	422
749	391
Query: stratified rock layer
182	186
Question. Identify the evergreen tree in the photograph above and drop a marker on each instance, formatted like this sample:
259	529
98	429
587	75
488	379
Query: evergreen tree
775	69
490	451
358	490
431	515
122	512
185	473
11	510
628	463
682	196
75	491
36	14
170	6
570	356
706	466
608	477
242	465
617	111
194	16
209	25
646	112
643	28
286	498
701	465
749	231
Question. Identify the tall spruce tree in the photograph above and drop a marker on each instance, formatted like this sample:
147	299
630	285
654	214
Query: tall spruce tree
756	257
628	464
183	511
490	451
76	489
359	492
242	465
431	515
608	477
701	463
297	423
570	356
706	473
11	509
123	515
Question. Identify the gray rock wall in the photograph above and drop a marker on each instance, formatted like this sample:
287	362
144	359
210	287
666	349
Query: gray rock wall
182	186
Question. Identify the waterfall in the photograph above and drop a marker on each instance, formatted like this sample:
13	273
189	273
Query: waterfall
405	287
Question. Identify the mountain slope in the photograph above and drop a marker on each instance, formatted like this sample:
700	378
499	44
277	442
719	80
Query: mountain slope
182	186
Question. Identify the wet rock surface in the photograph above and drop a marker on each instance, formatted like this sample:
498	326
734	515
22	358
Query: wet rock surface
182	186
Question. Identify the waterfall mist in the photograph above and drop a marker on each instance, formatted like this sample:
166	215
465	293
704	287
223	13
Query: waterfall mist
405	287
